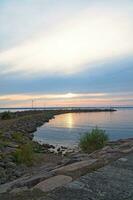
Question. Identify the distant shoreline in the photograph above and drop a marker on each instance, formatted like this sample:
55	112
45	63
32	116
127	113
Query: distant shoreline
61	109
64	108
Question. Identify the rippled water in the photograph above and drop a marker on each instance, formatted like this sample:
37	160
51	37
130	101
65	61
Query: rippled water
66	129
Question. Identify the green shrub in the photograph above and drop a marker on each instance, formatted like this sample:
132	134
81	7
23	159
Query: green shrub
24	155
91	141
6	115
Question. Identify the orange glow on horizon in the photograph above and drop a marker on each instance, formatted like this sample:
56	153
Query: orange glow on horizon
65	100
69	103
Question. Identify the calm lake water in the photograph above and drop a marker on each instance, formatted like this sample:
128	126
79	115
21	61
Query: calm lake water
66	129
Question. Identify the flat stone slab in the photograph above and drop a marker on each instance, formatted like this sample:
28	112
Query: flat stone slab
5	187
33	180
127	150
76	166
27	181
112	182
54	182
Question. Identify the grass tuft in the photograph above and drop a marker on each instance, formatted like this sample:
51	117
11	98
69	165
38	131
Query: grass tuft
94	140
24	155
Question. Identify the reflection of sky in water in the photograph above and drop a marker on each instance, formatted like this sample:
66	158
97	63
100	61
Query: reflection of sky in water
66	129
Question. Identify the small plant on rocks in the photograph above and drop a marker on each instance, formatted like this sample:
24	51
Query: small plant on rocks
94	140
24	154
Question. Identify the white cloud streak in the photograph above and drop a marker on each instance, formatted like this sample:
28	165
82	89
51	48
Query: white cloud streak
97	33
26	97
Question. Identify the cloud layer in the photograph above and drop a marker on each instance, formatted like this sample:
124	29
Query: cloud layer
75	43
66	52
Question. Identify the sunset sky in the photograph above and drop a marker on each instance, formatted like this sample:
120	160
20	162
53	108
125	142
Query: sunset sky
66	53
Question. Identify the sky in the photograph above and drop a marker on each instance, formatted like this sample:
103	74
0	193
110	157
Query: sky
66	53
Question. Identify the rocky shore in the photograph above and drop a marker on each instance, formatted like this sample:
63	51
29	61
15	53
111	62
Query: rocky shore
44	179
18	130
53	167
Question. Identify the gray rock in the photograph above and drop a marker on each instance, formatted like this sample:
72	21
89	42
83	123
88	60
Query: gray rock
18	190
13	145
30	181
127	150
2	175
10	165
18	173
7	135
123	159
77	169
112	182
54	182
9	150
26	181
7	187
2	164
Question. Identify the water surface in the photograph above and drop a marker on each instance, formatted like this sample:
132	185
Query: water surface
66	129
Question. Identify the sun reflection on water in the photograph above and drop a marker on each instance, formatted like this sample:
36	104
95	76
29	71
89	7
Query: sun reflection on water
69	120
